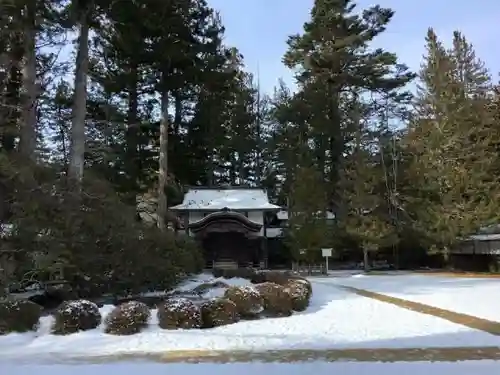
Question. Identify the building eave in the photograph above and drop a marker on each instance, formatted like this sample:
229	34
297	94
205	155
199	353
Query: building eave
182	207
225	217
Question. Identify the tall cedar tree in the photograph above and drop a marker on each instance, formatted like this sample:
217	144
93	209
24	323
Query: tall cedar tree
453	141
366	218
335	66
308	229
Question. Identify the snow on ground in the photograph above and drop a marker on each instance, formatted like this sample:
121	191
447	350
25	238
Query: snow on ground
335	319
317	368
477	297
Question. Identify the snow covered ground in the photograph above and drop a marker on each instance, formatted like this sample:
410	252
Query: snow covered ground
317	368
335	319
470	296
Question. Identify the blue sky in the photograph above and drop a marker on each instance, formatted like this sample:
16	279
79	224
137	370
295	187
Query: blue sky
259	29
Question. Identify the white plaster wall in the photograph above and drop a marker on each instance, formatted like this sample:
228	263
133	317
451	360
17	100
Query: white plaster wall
195	216
274	232
257	217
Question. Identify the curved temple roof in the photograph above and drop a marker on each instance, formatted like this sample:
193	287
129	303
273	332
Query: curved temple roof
244	199
224	221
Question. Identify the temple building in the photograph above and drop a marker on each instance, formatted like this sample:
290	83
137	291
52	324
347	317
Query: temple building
229	223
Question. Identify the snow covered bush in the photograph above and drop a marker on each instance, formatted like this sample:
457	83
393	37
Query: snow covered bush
306	283
275	277
248	301
74	316
19	316
258	277
128	318
179	313
219	312
277	300
244	273
299	294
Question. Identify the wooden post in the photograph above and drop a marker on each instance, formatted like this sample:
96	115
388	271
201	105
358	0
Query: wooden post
186	222
266	254
264	241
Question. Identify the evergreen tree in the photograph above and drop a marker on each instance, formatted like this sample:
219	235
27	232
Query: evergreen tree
308	230
336	71
452	145
333	60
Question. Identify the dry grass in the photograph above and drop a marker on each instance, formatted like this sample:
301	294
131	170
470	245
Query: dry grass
460	274
291	356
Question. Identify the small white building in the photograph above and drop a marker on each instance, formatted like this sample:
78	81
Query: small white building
229	223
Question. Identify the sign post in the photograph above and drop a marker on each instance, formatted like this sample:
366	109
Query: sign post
327	253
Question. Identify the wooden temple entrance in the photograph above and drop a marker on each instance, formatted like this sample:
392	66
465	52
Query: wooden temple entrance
229	240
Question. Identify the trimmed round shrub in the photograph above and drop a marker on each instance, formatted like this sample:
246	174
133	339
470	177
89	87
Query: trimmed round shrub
279	278
243	273
128	318
74	316
299	294
179	313
304	282
249	302
19	316
275	277
258	277
277	300
219	312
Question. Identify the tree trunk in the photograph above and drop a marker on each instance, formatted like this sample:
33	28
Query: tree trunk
258	126
366	259
9	115
132	133
176	164
80	103
27	142
163	167
241	168
177	116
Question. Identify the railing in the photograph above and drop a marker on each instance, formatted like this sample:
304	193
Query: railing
231	264
309	269
224	264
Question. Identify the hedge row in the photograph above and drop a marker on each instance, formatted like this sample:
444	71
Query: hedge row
266	299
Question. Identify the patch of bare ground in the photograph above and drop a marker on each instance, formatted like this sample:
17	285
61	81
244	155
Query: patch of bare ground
470	321
291	356
457	274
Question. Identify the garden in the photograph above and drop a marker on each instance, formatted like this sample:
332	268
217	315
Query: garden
226	297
